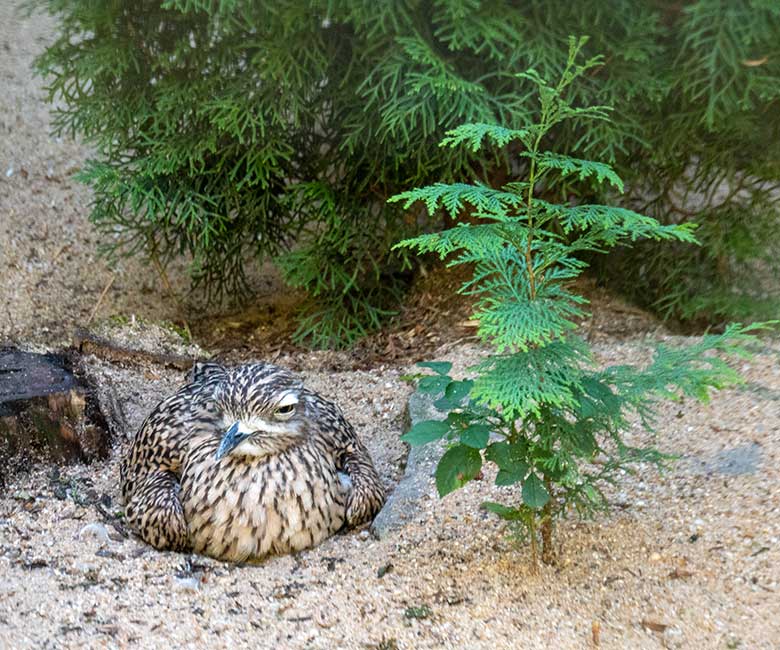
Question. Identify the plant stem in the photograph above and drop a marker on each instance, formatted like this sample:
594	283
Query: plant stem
531	179
513	433
546	527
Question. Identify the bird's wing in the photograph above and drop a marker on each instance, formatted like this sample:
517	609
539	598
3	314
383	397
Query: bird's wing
366	494
162	441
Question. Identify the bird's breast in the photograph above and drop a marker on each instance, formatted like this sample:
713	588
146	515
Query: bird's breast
242	507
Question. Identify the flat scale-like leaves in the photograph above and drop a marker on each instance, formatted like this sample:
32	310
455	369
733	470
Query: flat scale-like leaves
693	370
583	169
483	240
524	383
536	407
473	135
510	318
453	197
614	224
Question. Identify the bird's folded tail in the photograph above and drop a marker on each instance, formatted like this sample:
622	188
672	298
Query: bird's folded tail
365	494
155	512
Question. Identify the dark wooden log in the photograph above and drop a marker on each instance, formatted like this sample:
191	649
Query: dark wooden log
46	409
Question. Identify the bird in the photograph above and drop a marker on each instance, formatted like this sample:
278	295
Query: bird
244	462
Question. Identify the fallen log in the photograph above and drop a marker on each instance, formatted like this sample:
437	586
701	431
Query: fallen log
47	409
88	343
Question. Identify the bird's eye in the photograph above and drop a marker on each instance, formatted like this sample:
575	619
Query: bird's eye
284	412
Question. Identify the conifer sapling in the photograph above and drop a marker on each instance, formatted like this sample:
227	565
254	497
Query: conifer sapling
537	407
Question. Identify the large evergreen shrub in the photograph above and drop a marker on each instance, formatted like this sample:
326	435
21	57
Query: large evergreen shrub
235	129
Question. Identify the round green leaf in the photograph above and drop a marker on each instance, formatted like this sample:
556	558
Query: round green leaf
510	477
457	390
443	404
433	384
425	432
506	455
439	367
505	512
535	495
458	466
476	436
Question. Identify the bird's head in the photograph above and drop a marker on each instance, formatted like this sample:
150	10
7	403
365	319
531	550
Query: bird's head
262	409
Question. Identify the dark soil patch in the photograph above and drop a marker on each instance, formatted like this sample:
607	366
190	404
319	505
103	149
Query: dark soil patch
433	318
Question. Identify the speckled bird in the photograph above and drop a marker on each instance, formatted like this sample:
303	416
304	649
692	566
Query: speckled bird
243	462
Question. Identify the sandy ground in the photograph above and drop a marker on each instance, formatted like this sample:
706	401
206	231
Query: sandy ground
51	276
687	559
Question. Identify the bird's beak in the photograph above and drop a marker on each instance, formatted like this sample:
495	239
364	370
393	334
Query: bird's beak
232	438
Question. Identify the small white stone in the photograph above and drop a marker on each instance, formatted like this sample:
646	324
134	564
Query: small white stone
187	584
98	531
87	569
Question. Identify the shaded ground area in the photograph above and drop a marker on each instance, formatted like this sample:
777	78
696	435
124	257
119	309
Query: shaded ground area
688	559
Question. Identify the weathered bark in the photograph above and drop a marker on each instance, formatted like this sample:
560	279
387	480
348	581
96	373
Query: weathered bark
46	409
88	343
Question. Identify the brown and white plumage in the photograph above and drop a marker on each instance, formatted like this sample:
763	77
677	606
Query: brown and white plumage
243	462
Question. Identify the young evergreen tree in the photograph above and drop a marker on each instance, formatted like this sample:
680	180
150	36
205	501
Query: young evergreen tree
537	407
230	130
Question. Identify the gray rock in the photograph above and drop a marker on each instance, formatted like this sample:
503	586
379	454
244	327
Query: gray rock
404	502
743	459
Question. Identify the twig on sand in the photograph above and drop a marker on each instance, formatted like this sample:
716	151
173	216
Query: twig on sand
100	299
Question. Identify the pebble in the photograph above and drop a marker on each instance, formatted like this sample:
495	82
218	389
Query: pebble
88	570
186	584
98	531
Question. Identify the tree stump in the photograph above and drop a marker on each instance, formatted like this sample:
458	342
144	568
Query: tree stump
46	409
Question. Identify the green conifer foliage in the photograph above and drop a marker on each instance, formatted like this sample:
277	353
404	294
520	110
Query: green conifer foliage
549	410
231	130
